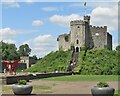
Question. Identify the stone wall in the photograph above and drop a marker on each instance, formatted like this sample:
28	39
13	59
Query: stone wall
109	41
15	79
77	33
28	60
99	35
25	59
20	66
24	63
63	44
87	35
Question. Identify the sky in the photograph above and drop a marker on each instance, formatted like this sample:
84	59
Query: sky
39	23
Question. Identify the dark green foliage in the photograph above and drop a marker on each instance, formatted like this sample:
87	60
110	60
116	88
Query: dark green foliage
53	61
34	57
69	68
118	48
8	51
58	39
102	84
66	36
99	62
22	82
95	62
24	50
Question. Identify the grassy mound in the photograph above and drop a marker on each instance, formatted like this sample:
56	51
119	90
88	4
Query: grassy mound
53	61
99	62
95	62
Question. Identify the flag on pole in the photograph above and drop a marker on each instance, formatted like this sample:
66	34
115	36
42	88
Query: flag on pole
85	4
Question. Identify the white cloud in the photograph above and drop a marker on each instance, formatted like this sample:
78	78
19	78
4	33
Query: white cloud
7	35
92	5
64	20
37	23
11	3
9	41
105	16
103	13
31	1
42	45
101	4
49	9
114	45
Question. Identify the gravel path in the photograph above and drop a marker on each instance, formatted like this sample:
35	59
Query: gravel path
60	87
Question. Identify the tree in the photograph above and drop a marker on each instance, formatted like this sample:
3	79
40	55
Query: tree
34	57
24	50
118	48
8	51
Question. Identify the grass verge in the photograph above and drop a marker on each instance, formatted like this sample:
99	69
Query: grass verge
98	78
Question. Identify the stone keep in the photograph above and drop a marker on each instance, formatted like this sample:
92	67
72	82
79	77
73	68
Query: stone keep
82	35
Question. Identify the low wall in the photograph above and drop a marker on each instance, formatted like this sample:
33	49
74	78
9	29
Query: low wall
20	66
15	79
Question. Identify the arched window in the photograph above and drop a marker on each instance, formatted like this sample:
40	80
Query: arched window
77	42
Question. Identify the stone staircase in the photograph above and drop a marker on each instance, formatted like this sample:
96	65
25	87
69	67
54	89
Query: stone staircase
74	59
74	56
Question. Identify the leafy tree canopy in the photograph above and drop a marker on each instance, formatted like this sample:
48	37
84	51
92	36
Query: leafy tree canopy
24	50
8	51
34	57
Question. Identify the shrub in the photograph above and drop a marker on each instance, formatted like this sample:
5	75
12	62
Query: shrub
66	36
102	84
22	82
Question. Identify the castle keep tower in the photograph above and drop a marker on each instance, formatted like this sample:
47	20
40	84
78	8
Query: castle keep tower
82	34
77	34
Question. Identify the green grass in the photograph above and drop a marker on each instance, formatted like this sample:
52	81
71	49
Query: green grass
117	91
98	78
99	62
95	62
53	61
36	87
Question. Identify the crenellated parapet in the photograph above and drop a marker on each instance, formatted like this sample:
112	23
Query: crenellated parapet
77	22
86	17
98	27
83	34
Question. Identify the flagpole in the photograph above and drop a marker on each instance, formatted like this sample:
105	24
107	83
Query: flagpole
85	4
